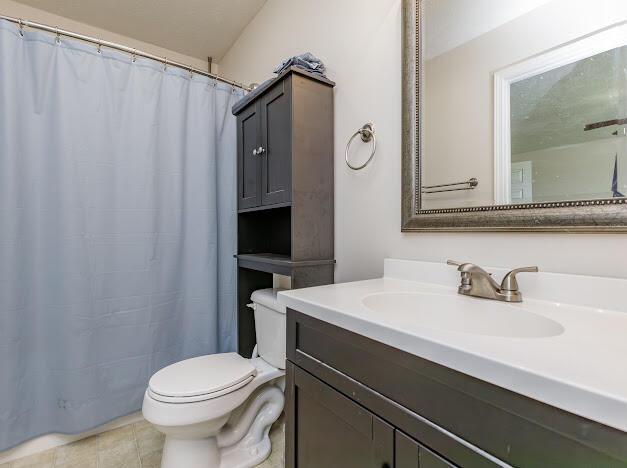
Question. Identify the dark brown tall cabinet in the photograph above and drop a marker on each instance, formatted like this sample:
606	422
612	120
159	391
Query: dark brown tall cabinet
285	188
265	137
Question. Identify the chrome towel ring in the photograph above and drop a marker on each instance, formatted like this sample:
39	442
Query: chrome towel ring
367	134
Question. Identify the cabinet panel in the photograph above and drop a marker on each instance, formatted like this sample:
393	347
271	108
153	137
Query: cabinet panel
332	431
249	164
276	135
410	454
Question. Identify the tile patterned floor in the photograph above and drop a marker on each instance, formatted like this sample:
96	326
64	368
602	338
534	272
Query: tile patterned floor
137	445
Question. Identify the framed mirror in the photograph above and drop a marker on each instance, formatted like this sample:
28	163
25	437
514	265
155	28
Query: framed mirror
514	115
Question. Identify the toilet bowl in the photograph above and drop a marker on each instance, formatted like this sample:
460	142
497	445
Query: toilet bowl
216	410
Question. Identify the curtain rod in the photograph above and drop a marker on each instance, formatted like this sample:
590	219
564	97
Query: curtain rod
123	48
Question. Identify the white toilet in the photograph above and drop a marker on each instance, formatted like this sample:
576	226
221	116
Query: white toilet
216	411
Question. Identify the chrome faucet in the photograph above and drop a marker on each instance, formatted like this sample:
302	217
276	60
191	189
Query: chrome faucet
477	282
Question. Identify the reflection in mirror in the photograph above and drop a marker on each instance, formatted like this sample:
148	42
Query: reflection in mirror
568	131
522	101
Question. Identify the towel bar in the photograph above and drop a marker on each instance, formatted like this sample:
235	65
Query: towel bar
470	185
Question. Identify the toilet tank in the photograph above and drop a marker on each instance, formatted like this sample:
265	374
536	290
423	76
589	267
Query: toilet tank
270	326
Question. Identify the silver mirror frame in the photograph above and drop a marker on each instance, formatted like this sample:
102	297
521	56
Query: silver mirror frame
607	215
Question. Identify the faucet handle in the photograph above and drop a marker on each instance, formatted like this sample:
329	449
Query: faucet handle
463	267
467	267
510	283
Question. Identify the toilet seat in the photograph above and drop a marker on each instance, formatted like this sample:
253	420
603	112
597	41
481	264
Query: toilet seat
201	378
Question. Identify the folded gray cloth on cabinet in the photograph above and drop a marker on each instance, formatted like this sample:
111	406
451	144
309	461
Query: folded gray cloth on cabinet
307	61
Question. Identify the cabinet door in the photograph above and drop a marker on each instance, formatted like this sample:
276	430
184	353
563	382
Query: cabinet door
410	454
248	161
276	140
331	431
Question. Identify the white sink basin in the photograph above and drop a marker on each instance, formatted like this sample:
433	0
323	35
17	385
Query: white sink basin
462	315
564	345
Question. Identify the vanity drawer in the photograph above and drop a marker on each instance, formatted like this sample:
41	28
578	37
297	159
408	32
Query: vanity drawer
469	421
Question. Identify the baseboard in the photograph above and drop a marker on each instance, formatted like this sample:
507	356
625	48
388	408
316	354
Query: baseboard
49	441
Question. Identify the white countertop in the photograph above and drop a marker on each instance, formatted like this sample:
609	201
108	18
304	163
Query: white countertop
583	370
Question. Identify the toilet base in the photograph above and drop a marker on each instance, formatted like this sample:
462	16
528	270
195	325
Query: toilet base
204	453
194	453
243	442
247	457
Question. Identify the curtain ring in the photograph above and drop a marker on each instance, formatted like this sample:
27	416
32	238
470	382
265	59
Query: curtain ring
99	50
191	72
21	24
134	57
58	38
165	63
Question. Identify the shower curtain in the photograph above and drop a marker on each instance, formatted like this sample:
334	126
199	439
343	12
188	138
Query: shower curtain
117	229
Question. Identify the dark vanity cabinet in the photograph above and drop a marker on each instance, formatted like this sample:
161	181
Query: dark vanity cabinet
335	431
285	188
410	454
354	402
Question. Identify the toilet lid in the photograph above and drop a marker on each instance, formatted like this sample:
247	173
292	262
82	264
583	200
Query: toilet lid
202	375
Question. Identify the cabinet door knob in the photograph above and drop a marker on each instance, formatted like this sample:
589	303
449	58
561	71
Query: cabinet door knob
261	150
255	152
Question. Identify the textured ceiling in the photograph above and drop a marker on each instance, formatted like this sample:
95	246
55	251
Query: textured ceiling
197	28
552	109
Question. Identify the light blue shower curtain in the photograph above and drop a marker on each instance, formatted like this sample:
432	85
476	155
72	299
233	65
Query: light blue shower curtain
117	229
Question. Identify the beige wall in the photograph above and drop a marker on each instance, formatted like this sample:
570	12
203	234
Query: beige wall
458	120
577	172
361	47
17	10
